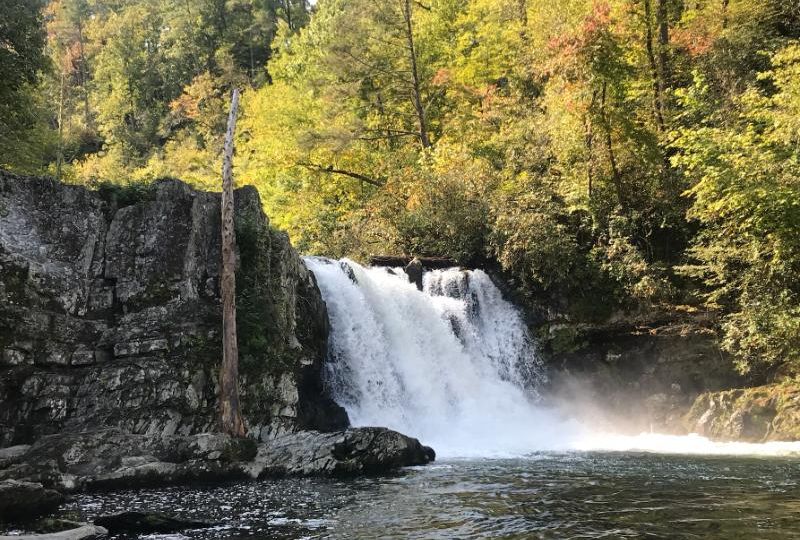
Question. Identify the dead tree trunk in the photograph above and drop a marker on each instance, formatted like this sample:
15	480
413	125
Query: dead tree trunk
230	412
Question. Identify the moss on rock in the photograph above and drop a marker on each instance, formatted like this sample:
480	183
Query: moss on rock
759	414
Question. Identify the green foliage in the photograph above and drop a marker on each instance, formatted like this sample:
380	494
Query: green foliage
610	155
123	195
22	58
138	89
747	194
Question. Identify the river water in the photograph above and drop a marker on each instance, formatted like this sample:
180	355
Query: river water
544	495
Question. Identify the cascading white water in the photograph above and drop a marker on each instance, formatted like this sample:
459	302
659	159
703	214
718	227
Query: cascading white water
454	366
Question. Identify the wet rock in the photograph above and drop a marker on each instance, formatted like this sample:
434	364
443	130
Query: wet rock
113	459
84	532
147	523
414	270
19	500
12	454
352	452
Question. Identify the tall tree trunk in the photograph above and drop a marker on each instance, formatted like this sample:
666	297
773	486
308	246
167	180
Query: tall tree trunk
287	6
382	111
230	412
589	140
725	13
84	79
658	86
416	96
522	8
60	157
662	16
612	158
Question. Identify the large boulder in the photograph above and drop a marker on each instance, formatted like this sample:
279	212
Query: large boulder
19	500
110	314
351	452
112	458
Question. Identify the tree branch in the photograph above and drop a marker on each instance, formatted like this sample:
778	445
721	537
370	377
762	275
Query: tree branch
350	174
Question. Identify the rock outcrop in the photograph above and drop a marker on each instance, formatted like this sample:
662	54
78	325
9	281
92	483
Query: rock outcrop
110	314
352	452
759	414
640	378
113	459
24	499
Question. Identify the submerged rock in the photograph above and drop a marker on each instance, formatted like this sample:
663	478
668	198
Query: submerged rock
12	454
144	523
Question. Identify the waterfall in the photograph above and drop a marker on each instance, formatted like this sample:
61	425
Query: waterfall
452	364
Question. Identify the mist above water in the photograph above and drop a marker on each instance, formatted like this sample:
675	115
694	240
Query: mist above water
454	366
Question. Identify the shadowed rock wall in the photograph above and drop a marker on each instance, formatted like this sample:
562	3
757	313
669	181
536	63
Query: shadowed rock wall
110	314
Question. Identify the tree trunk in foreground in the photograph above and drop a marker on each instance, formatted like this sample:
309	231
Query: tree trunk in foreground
230	412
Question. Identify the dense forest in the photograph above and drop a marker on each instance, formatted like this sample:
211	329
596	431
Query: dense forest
607	154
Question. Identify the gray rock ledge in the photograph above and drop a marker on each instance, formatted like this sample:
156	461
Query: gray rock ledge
113	459
85	532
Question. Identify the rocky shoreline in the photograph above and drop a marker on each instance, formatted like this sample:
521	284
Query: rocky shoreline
36	478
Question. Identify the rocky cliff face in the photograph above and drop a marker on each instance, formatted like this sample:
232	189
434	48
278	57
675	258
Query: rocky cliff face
641	378
110	313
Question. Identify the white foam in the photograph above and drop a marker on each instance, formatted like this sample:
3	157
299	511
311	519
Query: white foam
682	444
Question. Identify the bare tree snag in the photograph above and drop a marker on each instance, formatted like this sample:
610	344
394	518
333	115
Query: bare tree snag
230	412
